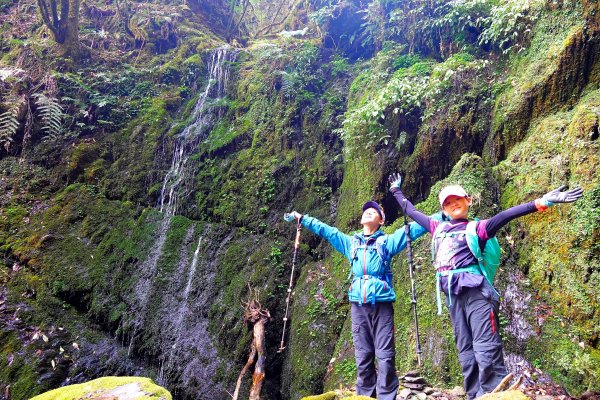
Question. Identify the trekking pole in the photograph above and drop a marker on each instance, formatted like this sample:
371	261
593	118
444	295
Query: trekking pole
413	292
289	290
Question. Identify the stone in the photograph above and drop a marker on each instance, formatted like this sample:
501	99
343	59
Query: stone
414	386
421	396
111	387
458	391
506	395
428	390
415	379
404	393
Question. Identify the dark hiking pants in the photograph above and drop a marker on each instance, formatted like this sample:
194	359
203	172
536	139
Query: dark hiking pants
474	316
373	335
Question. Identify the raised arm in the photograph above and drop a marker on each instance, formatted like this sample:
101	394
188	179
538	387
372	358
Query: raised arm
559	195
340	241
397	241
407	207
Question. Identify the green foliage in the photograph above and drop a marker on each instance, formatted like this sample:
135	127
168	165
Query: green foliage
509	25
339	65
409	90
373	29
8	126
347	369
406	61
51	114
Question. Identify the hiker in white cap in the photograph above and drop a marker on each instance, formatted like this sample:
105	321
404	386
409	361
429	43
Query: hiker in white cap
466	256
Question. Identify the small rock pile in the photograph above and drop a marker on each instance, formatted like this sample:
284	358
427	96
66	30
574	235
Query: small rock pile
415	387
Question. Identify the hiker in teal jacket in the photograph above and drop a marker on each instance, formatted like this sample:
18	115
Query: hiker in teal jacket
371	294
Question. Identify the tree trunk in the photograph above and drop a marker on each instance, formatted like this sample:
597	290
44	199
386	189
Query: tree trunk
71	44
63	22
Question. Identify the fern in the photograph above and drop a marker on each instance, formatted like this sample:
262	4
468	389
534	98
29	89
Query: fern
51	114
289	81
9	124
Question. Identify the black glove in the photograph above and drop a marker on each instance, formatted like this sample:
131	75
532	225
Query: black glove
561	195
395	181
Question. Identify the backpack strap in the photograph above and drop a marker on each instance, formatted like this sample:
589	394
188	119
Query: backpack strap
355	244
382	252
434	240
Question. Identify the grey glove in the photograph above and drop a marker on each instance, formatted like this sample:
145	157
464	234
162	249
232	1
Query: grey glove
561	195
289	217
395	181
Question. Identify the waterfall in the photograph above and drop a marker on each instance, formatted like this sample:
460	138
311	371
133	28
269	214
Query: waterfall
182	310
203	117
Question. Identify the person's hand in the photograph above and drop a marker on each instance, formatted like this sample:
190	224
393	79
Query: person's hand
289	217
395	181
561	195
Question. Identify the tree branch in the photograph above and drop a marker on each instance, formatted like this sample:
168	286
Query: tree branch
267	29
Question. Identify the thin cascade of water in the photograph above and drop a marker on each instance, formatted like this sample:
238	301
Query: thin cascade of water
182	310
203	117
192	272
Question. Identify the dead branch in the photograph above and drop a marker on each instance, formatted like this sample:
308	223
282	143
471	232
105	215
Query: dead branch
256	315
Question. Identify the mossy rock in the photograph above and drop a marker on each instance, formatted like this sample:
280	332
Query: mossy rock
508	395
111	387
337	395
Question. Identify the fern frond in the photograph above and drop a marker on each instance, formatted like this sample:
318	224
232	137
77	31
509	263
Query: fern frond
51	113
9	124
288	84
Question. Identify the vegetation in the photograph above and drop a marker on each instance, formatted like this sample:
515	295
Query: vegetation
324	99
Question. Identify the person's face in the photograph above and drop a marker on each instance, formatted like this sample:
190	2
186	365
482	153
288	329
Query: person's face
371	217
457	207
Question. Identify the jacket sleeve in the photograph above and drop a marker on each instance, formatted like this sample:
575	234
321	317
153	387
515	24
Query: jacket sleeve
488	228
340	241
397	241
411	211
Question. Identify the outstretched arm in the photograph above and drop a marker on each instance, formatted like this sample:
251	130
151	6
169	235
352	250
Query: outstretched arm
338	240
559	195
397	241
407	207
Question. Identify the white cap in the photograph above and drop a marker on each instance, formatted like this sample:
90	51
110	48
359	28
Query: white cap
452	190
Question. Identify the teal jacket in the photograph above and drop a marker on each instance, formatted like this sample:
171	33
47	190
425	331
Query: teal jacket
370	258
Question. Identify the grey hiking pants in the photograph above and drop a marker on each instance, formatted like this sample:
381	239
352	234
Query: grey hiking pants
373	336
474	316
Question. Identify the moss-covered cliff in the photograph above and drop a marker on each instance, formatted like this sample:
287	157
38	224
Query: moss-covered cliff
132	235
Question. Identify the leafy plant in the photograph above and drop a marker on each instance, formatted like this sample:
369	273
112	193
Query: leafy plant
509	24
51	114
8	126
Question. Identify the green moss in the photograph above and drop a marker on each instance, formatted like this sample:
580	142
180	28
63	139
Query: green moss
506	395
143	388
336	395
560	243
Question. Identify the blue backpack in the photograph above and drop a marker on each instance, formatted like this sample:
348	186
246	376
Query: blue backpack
373	289
379	246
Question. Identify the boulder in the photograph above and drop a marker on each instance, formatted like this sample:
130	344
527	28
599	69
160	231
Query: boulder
109	388
507	395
